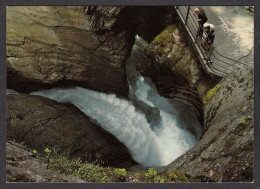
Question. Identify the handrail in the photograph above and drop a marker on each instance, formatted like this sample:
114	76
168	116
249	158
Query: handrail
222	65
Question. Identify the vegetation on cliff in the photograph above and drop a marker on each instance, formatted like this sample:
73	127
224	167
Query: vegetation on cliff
165	37
95	172
210	94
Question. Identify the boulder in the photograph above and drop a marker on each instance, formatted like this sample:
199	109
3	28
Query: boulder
42	123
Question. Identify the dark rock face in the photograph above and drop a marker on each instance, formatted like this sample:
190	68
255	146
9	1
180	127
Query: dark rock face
173	67
22	167
114	29
55	46
225	153
150	21
40	123
83	46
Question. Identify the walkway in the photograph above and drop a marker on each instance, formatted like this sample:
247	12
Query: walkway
230	50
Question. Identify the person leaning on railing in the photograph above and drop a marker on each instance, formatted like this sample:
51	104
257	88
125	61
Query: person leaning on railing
209	40
202	18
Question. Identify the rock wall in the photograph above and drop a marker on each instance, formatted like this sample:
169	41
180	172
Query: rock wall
150	21
225	153
55	46
75	45
173	67
39	123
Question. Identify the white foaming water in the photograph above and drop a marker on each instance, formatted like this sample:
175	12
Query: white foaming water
142	91
174	139
148	147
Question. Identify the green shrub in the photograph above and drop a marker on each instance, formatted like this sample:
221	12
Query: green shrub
164	176
91	172
175	176
94	173
151	176
63	165
119	174
96	159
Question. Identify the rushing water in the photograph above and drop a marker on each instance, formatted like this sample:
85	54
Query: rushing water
156	130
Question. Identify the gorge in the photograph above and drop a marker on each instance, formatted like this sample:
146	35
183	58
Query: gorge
146	142
155	99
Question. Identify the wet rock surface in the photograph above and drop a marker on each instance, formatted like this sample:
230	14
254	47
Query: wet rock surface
22	166
40	123
225	152
75	45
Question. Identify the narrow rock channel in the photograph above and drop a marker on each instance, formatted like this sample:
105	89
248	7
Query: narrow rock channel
156	130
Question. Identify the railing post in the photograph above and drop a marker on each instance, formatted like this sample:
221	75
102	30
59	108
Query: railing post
211	51
186	20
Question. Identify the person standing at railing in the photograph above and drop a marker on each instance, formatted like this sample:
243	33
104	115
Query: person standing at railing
202	19
210	35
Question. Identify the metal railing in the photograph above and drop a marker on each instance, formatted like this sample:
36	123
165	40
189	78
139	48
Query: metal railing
212	60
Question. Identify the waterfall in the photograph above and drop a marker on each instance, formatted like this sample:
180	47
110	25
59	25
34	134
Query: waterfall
152	127
119	117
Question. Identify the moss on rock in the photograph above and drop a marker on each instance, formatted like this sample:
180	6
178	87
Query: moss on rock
245	122
210	94
153	175
165	37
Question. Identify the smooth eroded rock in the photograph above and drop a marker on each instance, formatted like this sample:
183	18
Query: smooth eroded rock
225	152
55	46
40	123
